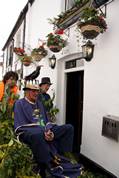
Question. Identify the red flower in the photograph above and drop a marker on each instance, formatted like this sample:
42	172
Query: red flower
19	51
59	31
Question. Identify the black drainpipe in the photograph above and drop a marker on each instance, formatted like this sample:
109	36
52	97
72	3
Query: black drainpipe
24	30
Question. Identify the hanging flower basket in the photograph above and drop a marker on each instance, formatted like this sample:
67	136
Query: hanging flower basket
26	60
91	23
37	57
90	31
55	42
19	51
55	49
26	63
22	56
38	53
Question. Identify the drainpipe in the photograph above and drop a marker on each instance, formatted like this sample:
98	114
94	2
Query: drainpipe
24	30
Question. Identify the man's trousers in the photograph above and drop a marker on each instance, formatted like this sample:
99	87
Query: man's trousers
42	149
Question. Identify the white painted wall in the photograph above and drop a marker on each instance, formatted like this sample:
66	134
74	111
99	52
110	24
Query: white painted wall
37	27
101	95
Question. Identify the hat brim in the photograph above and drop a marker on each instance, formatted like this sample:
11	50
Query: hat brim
45	83
31	87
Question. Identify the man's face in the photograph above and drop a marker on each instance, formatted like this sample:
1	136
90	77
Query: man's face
44	88
32	95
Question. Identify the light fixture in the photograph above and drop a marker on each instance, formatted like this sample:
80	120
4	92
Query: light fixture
87	51
52	61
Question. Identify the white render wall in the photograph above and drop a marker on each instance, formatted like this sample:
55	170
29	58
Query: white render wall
101	95
37	27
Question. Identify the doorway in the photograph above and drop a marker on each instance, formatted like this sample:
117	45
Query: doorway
74	105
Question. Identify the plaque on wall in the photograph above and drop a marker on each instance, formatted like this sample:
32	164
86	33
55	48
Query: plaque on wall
70	64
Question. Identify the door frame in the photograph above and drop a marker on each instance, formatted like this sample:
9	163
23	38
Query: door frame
61	84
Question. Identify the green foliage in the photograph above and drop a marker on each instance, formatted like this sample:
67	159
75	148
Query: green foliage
80	2
92	16
25	57
89	174
51	109
55	40
15	158
49	103
40	50
5	104
56	21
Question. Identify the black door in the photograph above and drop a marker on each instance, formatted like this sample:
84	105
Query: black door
74	105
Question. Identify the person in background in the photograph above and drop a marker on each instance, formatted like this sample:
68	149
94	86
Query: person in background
8	87
31	125
44	87
44	96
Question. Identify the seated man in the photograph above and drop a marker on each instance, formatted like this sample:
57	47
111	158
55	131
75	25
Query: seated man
31	125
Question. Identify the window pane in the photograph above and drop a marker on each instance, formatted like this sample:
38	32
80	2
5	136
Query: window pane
69	4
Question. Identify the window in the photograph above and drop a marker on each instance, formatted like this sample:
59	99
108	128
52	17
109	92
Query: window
98	3
69	4
9	57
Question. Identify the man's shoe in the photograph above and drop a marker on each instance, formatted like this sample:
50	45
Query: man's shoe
36	169
43	173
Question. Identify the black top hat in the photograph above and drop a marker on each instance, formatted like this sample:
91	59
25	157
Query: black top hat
45	80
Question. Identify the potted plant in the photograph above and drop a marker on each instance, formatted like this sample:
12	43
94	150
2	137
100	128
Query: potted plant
19	51
63	16
55	42
39	53
22	56
91	23
26	59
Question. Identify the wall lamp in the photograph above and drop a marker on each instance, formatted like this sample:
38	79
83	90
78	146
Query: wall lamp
87	51
52	61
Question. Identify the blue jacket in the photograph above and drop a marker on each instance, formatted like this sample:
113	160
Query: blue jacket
24	113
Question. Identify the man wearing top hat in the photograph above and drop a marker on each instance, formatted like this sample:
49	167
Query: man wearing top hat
31	125
44	96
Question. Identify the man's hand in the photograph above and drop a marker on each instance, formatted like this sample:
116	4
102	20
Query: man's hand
49	135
